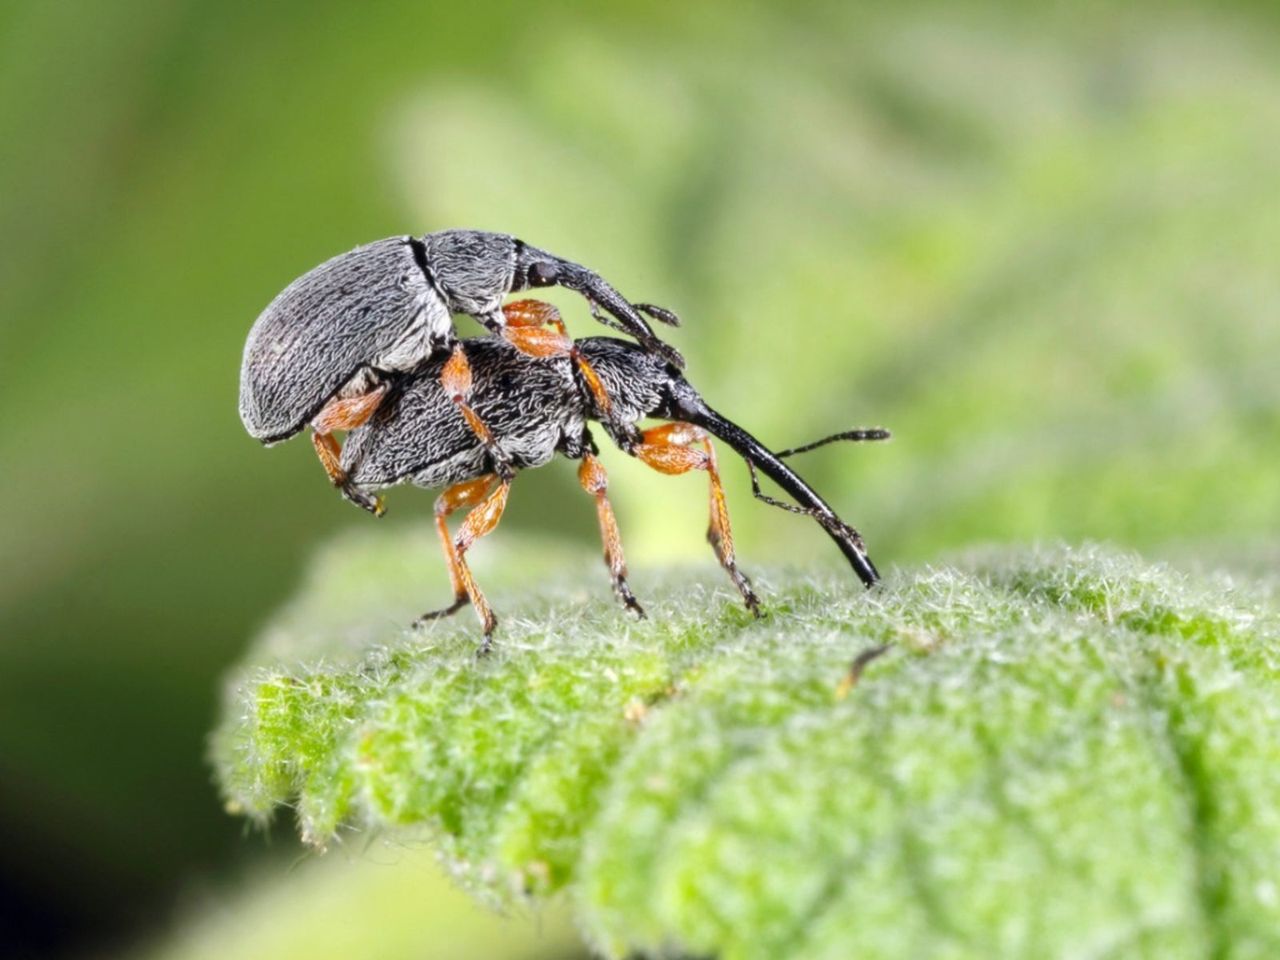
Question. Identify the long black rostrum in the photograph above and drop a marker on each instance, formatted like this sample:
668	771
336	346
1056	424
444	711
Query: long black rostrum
694	410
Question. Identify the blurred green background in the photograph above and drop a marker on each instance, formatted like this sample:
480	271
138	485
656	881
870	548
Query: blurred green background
1039	243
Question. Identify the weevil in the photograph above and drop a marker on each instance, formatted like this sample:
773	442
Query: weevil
537	408
323	351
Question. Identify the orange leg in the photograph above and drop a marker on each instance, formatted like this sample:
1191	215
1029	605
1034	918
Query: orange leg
595	481
456	380
526	329
345	413
592	380
468	494
487	503
670	449
330	453
527	323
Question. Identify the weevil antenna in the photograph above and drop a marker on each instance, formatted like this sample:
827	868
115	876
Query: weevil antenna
853	436
859	434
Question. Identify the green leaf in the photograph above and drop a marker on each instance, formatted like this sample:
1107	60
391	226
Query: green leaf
1063	752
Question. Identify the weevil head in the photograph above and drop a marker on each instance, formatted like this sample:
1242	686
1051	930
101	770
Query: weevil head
475	269
537	268
369	309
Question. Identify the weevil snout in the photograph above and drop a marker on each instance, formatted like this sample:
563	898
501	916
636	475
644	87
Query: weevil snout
618	312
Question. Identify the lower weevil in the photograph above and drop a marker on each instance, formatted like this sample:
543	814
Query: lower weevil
536	408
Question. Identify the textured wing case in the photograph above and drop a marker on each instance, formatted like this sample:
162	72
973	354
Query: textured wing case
371	307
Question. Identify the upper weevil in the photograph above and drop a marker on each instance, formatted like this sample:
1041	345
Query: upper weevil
323	351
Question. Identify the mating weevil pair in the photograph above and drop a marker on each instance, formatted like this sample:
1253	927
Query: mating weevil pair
326	349
365	343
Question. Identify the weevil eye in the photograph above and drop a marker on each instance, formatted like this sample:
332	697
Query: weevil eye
543	274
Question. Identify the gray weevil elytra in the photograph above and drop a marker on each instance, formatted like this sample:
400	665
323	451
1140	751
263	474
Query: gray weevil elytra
538	407
321	353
